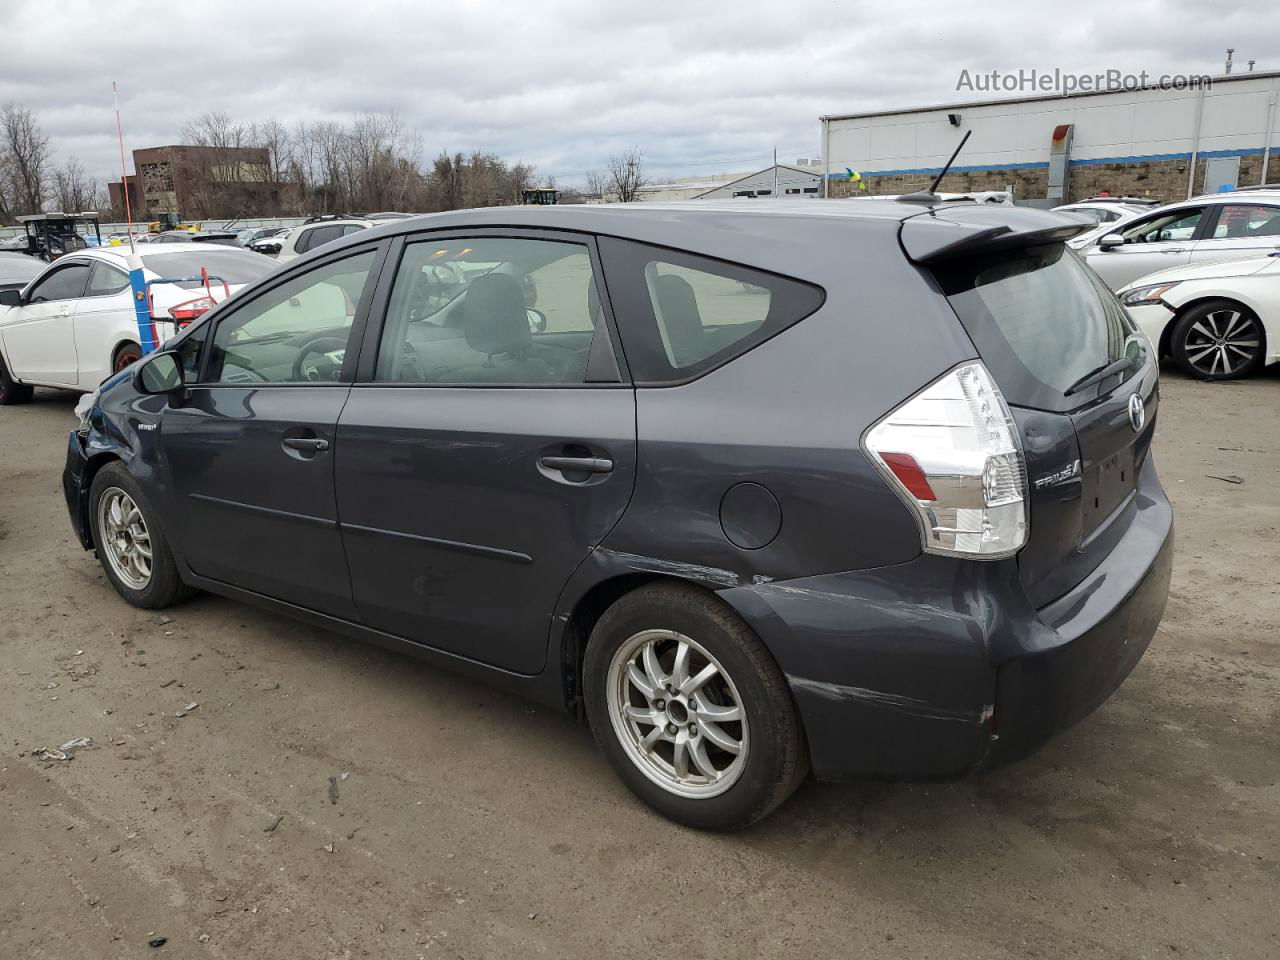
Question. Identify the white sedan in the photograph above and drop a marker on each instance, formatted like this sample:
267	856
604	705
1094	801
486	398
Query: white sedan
1219	320
74	324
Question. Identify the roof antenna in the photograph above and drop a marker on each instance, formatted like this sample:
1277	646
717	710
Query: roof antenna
928	196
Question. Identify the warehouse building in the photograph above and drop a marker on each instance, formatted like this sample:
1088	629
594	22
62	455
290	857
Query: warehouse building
198	181
802	180
1159	143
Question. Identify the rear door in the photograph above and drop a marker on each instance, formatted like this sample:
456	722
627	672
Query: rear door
1238	231
488	446
39	336
250	447
1042	322
1151	243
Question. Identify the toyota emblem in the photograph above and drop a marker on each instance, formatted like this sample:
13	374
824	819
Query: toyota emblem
1137	412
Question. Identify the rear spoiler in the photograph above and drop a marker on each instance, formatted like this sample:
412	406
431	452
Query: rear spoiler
963	230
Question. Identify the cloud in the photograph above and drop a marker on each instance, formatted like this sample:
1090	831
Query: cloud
562	84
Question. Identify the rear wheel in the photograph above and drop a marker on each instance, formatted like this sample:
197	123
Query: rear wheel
691	710
131	547
125	354
1218	340
12	392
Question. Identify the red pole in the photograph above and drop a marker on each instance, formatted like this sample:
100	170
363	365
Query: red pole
124	176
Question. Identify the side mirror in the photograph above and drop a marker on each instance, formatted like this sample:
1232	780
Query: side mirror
159	373
1111	241
537	320
10	298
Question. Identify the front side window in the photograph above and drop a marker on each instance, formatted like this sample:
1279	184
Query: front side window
682	315
64	283
1041	320
1174	225
297	332
497	310
105	281
1243	221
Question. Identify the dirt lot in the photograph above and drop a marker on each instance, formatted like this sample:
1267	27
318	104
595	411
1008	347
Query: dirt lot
470	825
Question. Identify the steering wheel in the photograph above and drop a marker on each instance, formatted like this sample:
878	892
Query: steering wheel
322	345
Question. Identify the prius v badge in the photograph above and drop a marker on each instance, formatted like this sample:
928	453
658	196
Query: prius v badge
1058	478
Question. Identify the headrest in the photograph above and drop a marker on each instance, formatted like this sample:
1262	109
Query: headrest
495	317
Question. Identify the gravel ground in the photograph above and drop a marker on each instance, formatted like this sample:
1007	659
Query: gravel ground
468	824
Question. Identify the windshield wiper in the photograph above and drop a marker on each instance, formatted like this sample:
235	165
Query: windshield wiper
1098	375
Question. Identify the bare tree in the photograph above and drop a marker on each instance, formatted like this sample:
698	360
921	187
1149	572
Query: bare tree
73	192
25	163
625	176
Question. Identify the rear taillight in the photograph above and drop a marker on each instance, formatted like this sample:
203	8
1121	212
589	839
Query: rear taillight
952	452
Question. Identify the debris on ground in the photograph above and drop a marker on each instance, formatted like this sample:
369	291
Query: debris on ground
328	847
203	938
187	709
168	683
157	942
64	752
273	823
166	620
1230	478
333	789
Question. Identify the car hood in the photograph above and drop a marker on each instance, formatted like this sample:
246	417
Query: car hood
1216	270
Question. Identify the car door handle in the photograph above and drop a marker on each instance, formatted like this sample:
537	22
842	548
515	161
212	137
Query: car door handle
577	464
306	443
1179	250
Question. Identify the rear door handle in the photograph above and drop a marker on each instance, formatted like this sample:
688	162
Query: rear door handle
306	443
577	464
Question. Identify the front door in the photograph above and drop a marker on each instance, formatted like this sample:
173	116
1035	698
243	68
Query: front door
1151	243
250	448
102	318
39	336
492	447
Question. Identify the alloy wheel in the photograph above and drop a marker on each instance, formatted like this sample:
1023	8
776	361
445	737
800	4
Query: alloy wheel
677	714
125	538
1223	342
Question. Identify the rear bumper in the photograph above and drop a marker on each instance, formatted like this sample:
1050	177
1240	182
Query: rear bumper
937	668
76	491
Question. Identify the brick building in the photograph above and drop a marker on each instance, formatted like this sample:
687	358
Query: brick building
200	183
1148	142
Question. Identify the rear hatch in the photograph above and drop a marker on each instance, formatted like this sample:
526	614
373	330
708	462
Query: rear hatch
1045	326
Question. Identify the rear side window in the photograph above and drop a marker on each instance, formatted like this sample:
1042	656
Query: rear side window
682	315
1041	320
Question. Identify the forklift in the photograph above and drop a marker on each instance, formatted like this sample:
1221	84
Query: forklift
50	235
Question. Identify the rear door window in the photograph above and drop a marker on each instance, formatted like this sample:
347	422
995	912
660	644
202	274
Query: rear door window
682	315
105	281
1041	320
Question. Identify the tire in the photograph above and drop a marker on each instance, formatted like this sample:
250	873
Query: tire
125	354
12	392
746	785
1201	347
161	586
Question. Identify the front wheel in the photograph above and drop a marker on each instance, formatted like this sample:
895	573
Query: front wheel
12	392
1218	340
131	546
691	710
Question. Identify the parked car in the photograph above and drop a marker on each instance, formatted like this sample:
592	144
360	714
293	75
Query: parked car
1219	321
716	506
309	236
18	269
74	324
1221	226
226	238
1103	210
250	234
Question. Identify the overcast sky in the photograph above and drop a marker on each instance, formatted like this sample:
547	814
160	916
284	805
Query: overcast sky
701	86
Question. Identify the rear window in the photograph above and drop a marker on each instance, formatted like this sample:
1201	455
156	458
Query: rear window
234	266
681	315
1041	320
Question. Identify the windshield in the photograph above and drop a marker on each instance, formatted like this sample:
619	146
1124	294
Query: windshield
1041	320
234	266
